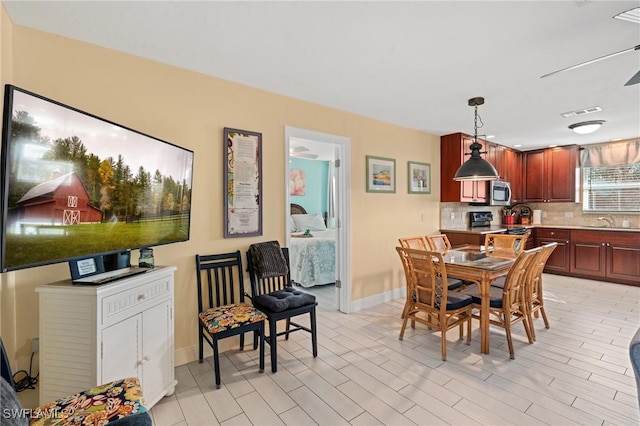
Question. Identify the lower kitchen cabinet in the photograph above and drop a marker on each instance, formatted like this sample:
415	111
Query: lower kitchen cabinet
90	335
608	255
462	238
560	258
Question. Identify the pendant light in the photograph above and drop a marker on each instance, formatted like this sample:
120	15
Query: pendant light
476	167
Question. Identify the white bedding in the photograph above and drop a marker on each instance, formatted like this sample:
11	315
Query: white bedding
313	259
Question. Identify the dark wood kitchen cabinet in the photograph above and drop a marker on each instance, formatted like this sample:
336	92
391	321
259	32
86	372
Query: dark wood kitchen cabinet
550	174
453	150
608	255
509	166
560	259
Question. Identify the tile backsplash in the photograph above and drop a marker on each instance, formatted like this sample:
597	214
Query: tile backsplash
456	215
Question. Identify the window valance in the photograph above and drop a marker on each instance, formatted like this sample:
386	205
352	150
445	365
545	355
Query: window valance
611	154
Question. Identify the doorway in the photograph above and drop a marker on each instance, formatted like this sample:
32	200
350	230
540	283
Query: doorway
302	143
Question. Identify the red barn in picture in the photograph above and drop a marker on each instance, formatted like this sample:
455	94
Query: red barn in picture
60	201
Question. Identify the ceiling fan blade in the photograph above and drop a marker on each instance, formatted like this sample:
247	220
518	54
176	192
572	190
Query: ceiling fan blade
633	80
304	155
593	60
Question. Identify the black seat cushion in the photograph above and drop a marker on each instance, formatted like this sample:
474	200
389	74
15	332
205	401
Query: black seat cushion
457	300
495	298
454	283
281	300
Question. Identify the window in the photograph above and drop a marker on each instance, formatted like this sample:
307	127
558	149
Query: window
72	201
611	188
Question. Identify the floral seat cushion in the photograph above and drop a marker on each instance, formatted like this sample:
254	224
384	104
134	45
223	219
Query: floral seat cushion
119	402
222	318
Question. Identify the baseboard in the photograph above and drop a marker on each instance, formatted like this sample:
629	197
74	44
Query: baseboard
368	302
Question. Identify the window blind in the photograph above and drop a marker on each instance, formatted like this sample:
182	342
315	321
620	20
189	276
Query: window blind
611	188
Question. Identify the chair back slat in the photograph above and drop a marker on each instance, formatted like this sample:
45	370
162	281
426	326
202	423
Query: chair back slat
534	278
418	243
512	242
438	242
426	275
221	276
514	286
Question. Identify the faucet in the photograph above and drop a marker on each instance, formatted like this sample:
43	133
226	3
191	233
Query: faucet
610	220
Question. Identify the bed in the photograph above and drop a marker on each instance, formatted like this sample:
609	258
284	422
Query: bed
312	256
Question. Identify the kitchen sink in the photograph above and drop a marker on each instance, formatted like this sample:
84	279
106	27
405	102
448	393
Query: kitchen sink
615	228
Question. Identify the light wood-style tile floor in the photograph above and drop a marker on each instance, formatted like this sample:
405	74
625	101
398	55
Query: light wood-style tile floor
577	372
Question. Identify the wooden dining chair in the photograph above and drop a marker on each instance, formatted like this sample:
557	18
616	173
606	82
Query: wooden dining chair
439	242
511	242
508	305
419	243
410	297
422	243
533	292
222	312
433	304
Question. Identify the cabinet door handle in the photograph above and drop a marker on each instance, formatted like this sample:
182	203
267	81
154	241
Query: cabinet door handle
602	244
607	244
141	297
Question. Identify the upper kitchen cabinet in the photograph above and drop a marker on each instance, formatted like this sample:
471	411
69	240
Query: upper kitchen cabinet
452	154
511	171
550	174
454	150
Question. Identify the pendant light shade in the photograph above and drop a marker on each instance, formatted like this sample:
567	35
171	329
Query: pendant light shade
476	167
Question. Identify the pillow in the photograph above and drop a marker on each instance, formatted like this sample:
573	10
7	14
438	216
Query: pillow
292	225
312	222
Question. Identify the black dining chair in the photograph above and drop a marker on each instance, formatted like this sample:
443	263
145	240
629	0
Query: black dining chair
221	310
273	293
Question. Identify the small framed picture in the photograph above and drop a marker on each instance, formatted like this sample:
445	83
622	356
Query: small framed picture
381	174
419	177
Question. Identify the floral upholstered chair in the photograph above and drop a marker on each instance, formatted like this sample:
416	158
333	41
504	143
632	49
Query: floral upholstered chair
115	403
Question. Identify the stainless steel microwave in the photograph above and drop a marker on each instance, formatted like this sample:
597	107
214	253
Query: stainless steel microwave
499	193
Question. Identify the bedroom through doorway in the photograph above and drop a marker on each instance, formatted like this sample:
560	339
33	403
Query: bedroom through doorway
317	194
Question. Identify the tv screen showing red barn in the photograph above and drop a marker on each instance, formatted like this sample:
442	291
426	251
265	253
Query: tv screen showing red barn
75	184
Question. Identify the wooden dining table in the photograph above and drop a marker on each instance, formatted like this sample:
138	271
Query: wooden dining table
473	263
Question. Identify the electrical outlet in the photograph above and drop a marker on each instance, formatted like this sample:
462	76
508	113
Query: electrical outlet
568	214
453	216
35	344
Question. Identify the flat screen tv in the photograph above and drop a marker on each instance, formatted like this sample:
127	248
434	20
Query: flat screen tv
74	184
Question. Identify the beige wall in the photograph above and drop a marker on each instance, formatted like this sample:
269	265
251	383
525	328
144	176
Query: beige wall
191	110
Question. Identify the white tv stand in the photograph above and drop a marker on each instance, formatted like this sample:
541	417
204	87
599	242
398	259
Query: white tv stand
90	335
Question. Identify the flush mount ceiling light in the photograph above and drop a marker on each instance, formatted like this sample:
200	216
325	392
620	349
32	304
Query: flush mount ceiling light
587	127
476	167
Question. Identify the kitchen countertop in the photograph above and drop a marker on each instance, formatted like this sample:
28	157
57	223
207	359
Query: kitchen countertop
503	228
485	229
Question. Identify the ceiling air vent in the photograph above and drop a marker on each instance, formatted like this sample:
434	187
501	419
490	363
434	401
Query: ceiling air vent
580	112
